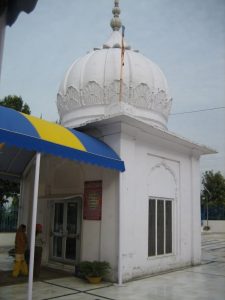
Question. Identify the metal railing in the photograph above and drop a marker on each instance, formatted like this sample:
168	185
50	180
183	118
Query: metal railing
214	212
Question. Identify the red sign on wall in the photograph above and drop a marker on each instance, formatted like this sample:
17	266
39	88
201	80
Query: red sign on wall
92	200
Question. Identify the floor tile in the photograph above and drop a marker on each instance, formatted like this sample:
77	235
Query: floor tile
40	291
76	283
203	282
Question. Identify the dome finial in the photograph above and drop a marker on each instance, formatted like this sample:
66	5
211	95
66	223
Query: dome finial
116	22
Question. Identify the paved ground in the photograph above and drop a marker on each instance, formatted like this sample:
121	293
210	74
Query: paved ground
205	282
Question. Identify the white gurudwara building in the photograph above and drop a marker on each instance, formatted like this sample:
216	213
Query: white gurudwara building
144	220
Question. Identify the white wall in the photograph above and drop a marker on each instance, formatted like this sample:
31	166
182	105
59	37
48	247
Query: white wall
109	223
215	226
26	199
156	167
7	239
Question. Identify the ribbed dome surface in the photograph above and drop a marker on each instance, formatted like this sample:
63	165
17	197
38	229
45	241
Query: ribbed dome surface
96	87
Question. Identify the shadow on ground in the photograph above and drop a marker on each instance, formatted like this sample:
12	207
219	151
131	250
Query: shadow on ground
46	274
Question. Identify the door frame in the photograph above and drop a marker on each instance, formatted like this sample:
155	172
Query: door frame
64	200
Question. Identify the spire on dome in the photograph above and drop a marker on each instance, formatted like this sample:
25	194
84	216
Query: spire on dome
116	22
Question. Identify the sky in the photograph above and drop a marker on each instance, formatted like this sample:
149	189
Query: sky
186	39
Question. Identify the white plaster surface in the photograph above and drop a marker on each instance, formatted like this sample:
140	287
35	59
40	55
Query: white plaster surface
155	167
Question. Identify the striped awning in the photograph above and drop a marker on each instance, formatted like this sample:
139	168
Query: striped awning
36	135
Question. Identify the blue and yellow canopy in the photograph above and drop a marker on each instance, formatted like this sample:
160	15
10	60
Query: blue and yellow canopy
33	134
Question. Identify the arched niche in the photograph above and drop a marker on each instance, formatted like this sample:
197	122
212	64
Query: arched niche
162	181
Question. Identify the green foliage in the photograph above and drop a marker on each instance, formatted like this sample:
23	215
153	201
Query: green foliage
9	189
94	268
9	192
213	188
16	103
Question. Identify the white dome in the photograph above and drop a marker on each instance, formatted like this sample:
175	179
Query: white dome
92	89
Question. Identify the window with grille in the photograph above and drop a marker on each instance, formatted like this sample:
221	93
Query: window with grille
160	226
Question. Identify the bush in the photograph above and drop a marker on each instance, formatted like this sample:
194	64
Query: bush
94	268
206	228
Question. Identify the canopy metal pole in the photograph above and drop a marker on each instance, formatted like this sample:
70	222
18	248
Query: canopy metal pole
33	226
120	254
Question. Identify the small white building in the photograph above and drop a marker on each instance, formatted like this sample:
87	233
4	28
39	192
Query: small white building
144	220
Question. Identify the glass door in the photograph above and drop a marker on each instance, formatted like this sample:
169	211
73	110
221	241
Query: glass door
65	233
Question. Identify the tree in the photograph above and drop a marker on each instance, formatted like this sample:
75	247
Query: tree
213	191
7	188
213	188
15	102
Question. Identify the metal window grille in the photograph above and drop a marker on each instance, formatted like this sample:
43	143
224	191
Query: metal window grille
160	227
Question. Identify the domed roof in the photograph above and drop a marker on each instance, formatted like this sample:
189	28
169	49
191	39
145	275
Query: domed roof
113	80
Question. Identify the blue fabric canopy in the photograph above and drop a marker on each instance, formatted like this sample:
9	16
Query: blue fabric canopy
31	134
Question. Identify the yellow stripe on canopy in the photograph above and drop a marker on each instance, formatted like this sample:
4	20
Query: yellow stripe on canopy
55	133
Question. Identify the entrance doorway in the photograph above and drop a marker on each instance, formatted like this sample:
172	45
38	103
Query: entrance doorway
65	230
